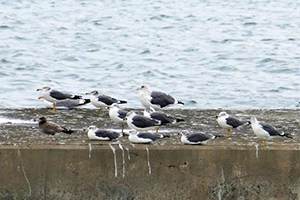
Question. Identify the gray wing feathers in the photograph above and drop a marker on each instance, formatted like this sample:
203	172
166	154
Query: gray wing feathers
234	122
143	122
198	137
272	131
106	133
61	96
162	99
151	136
122	114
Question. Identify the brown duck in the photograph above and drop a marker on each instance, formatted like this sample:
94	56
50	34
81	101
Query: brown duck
51	128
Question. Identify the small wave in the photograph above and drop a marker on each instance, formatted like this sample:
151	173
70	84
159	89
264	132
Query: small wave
250	24
4	27
147	51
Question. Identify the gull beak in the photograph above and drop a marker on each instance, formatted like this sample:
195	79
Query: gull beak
39	89
40	97
87	93
139	88
108	107
217	116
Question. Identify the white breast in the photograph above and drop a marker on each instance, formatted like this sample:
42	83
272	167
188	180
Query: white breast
96	103
145	99
135	139
259	131
92	136
222	122
113	114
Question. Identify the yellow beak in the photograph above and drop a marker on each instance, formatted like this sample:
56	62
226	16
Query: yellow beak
40	97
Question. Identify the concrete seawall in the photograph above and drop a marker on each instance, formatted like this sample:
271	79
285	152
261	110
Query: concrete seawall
241	167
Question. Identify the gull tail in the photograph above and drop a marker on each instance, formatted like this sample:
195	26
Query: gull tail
76	97
164	136
286	135
179	120
122	101
84	101
67	131
218	136
245	123
180	102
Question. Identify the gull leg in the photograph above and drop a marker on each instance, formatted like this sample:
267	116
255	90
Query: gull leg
265	142
124	134
123	126
54	108
101	112
229	132
157	130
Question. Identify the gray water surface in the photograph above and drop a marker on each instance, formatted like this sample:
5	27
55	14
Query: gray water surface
208	54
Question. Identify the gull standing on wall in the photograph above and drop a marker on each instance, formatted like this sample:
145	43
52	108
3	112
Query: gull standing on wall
228	122
55	96
156	99
103	101
265	131
140	122
117	115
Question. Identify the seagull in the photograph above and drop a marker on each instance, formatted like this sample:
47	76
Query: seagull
226	121
156	99
55	96
96	134
266	131
195	138
117	115
140	122
102	101
68	104
143	138
161	117
51	128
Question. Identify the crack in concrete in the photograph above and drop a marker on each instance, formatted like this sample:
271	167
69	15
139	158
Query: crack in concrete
24	172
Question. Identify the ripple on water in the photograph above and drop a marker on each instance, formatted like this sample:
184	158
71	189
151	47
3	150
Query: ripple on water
198	56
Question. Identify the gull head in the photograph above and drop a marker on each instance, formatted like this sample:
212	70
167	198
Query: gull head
94	93
144	88
44	89
185	132
222	114
129	114
114	105
42	120
253	120
93	128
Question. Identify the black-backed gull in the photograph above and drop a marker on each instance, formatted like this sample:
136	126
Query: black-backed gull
228	122
102	101
156	99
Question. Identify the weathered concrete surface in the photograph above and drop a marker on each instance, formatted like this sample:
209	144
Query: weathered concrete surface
34	167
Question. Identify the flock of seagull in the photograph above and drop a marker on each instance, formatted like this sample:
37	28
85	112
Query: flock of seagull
140	124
